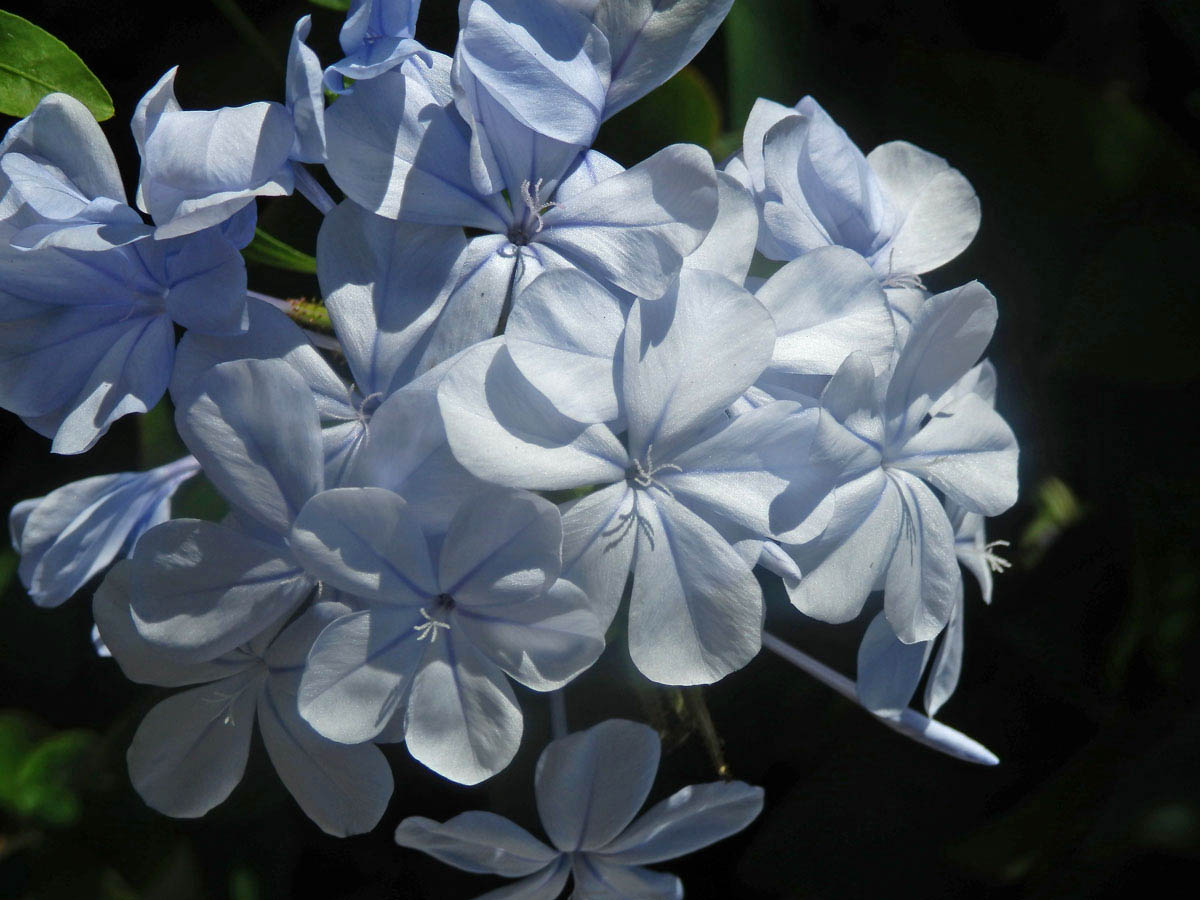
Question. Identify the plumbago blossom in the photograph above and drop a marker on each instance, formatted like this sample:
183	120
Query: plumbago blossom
552	405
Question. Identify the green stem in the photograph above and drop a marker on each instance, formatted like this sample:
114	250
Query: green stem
693	697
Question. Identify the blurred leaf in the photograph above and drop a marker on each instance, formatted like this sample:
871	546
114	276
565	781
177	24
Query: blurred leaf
16	740
44	780
764	51
114	887
158	443
243	885
270	251
684	109
177	878
248	32
34	63
198	499
8	567
339	5
1055	510
1161	625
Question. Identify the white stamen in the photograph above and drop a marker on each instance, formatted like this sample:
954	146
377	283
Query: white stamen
531	195
994	561
429	628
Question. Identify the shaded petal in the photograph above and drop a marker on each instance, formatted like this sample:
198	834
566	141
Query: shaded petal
528	76
202	589
384	284
477	841
692	818
543	642
688	356
563	334
696	611
207	282
843	565
462	719
923	578
591	784
199	167
405	450
254	428
827	304
344	789
729	247
394	149
888	670
190	751
820	189
140	660
635	228
547	884
936	207
63	133
652	40
501	547
359	673
305	97
754	478
503	430
596	877
366	542
948	337
599	534
969	453
270	335
947	664
71	534
489	271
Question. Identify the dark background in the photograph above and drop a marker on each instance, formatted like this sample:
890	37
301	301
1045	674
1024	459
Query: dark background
1077	123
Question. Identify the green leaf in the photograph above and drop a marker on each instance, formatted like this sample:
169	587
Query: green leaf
270	251
339	5
684	109
45	778
34	63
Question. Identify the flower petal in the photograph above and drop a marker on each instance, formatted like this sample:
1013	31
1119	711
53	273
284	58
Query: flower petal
190	751
202	589
591	784
696	611
688	356
888	670
254	428
462	719
634	229
543	642
923	579
504	431
477	841
503	546
366	542
691	818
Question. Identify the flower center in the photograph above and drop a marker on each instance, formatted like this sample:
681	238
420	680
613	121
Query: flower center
525	230
443	605
642	474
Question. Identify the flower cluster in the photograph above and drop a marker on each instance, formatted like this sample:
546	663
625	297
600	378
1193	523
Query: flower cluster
554	394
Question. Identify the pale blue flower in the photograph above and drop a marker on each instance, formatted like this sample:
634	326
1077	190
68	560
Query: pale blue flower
686	495
71	534
890	670
204	588
508	156
88	336
190	750
447	618
59	183
590	786
895	438
905	210
377	36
